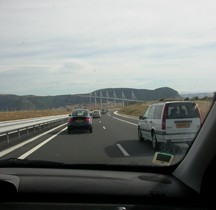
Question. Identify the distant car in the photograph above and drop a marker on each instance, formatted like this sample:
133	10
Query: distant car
172	122
103	111
91	113
80	119
96	114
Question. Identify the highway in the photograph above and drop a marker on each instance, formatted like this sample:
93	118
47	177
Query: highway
113	141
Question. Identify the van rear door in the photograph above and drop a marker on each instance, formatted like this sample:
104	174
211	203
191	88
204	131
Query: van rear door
182	117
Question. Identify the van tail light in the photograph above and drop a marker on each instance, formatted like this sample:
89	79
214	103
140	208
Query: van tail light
88	119
70	120
163	126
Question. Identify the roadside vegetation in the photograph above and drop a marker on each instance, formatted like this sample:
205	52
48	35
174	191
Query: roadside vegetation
138	109
15	115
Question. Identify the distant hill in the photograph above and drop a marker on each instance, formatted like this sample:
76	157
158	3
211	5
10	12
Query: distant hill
140	94
31	102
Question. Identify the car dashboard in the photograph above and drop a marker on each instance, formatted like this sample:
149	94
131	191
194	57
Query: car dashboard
44	188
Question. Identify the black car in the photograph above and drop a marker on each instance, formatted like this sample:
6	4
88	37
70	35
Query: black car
80	119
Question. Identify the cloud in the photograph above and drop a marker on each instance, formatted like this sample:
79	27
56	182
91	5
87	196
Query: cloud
50	47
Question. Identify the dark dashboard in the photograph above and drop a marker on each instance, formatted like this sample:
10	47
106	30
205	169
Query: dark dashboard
33	188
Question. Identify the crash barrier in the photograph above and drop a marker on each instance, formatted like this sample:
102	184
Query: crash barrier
17	132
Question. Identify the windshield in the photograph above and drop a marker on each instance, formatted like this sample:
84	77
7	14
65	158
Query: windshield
138	75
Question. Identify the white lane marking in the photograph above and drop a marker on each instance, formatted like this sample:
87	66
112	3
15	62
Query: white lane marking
125	121
40	145
99	121
123	150
104	127
9	150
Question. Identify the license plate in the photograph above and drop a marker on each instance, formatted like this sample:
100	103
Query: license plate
80	121
182	125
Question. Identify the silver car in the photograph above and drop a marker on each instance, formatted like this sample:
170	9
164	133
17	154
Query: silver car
170	122
96	114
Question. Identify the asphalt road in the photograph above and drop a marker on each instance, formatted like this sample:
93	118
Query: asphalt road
113	141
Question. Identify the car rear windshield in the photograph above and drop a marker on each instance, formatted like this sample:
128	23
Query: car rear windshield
182	110
80	113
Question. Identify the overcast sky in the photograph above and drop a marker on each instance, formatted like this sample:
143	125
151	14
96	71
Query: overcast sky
50	47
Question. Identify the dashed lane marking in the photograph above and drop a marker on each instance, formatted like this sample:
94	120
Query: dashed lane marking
122	150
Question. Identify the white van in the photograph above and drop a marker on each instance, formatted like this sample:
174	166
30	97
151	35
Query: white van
173	122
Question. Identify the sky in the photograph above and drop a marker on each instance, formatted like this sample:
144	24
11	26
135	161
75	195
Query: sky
57	47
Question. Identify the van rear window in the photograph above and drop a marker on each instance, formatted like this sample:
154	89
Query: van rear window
182	110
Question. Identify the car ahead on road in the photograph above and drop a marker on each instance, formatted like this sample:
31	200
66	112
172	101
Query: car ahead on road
170	122
80	119
96	114
104	111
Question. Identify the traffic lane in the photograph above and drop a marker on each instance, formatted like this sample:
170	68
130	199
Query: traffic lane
24	150
17	150
145	148
112	141
107	143
124	133
76	148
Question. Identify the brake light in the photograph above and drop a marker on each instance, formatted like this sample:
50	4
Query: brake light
163	126
88	119
70	120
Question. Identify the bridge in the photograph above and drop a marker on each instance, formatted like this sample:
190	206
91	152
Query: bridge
101	99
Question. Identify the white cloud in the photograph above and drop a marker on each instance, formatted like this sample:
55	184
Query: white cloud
57	46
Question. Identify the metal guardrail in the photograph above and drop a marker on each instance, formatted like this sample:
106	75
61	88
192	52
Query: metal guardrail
17	131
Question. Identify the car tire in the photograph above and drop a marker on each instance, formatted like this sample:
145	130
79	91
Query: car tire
140	137
90	130
155	143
